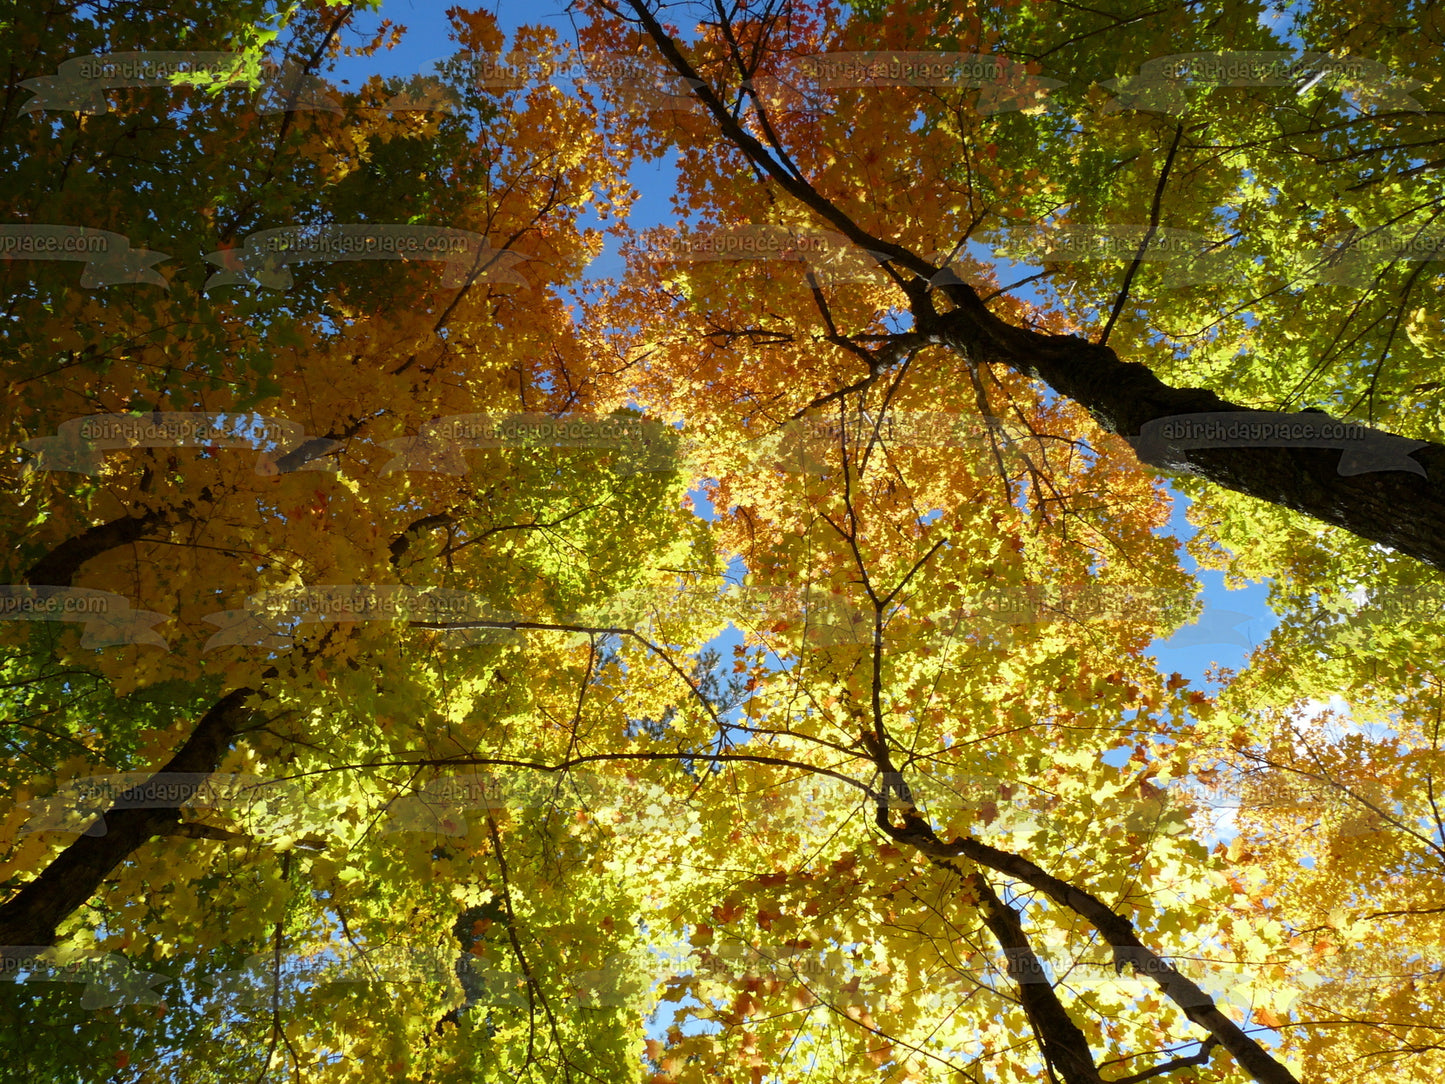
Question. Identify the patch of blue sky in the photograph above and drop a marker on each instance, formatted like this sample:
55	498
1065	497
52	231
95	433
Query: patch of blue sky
1282	19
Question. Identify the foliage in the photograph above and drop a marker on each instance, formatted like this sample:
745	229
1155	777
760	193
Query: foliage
940	816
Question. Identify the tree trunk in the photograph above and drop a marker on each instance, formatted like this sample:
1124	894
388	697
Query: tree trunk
30	917
1402	508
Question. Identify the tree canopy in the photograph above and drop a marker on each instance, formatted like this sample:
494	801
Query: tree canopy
377	705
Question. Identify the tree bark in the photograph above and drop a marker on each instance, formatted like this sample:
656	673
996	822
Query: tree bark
1396	508
1064	1046
1116	930
31	916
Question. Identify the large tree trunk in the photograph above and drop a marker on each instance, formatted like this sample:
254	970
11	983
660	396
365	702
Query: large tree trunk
61	565
1403	508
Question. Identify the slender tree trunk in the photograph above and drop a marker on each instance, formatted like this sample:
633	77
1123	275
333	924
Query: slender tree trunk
1064	1046
31	916
1116	930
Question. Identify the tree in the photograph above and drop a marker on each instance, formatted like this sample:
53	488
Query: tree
1124	397
196	532
826	167
937	823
